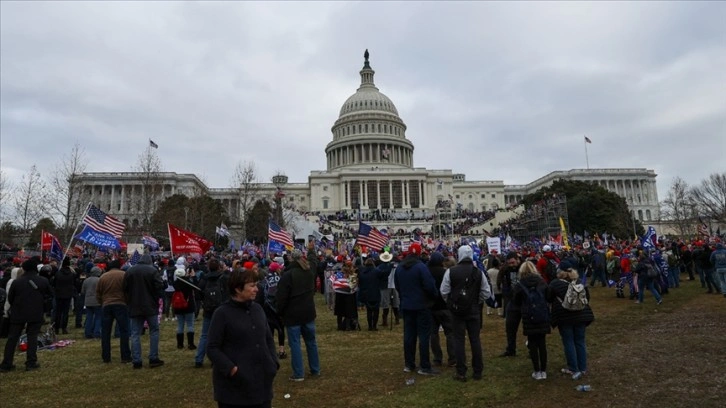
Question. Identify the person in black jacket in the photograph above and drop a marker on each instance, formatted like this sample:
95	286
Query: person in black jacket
530	279
296	306
27	299
241	347
441	316
65	288
369	281
217	277
570	323
143	287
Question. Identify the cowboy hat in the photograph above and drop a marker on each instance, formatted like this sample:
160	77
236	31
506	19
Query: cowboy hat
386	257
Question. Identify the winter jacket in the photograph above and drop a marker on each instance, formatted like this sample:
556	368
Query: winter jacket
415	285
88	290
518	299
213	276
27	299
110	288
369	282
182	285
65	283
437	270
239	336
562	316
295	294
143	288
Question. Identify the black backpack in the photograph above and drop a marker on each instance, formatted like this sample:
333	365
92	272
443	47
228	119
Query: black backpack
215	293
551	270
463	297
535	308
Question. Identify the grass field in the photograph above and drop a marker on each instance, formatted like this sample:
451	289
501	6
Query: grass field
673	355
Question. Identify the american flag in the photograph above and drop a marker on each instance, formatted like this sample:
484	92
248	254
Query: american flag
100	221
135	258
703	228
371	237
278	234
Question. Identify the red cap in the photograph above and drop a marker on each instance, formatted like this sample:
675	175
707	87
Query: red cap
249	265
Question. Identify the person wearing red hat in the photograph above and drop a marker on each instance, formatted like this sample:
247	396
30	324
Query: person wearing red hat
417	290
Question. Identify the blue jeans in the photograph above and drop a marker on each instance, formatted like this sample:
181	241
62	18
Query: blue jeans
202	346
94	315
721	278
674	277
573	342
120	313
416	325
137	325
185	319
307	331
645	282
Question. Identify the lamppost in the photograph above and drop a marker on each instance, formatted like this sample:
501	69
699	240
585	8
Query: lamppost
279	180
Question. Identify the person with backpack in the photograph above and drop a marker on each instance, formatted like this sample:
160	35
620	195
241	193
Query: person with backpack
547	264
571	314
183	303
464	288
647	274
530	294
214	292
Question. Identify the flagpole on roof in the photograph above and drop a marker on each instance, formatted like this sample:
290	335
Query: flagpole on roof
587	160
68	247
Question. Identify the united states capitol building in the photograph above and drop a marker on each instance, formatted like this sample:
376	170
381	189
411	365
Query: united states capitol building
370	168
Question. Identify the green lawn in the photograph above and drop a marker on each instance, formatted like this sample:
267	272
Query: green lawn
671	355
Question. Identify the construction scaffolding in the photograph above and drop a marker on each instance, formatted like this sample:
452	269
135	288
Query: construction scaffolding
540	220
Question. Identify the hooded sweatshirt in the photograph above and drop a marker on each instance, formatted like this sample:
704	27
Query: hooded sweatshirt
415	284
143	288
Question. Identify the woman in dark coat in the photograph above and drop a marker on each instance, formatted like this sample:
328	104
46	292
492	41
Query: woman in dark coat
530	279
571	323
369	282
64	285
241	347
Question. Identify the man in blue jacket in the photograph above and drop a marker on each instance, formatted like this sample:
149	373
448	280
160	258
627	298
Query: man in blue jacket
718	261
417	290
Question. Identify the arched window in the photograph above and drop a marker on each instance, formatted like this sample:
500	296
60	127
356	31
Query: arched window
647	214
640	215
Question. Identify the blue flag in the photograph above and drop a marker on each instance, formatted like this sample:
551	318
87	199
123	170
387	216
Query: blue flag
649	239
99	239
56	252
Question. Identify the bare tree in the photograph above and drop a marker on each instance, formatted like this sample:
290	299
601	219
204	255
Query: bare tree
247	183
152	185
710	197
65	201
4	188
30	199
678	206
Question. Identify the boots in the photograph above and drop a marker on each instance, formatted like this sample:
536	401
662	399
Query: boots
384	323
180	341
190	341
395	314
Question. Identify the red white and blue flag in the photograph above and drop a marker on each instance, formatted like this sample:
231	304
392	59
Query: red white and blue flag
371	237
101	222
275	233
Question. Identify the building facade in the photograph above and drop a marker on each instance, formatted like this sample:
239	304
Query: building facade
370	169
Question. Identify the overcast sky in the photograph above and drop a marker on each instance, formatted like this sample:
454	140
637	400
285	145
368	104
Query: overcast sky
496	90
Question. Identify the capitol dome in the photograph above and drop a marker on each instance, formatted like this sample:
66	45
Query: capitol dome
368	130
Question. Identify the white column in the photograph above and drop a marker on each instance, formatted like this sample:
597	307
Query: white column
364	193
123	199
390	193
347	194
113	198
370	152
378	193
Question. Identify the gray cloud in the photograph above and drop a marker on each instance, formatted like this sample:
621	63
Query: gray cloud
501	91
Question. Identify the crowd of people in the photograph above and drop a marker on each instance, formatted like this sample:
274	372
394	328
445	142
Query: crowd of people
245	298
